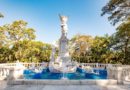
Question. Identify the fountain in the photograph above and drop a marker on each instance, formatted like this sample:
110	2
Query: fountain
62	67
63	62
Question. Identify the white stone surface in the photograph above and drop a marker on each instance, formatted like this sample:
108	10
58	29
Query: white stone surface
63	87
62	82
3	86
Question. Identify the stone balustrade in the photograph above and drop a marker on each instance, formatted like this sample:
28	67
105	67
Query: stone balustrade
27	65
115	71
4	72
99	65
6	67
120	73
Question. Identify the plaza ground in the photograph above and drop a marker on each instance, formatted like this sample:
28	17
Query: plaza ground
4	86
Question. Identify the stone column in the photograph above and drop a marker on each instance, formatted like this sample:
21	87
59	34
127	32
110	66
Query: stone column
11	74
14	74
110	74
119	75
0	72
116	73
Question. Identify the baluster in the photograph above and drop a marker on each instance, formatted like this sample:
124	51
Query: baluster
0	71
7	70
4	72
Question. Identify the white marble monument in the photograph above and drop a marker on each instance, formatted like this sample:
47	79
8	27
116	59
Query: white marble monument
63	62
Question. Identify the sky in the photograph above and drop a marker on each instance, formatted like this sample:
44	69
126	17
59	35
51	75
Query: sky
43	15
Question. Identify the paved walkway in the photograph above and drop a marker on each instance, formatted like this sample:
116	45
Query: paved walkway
3	86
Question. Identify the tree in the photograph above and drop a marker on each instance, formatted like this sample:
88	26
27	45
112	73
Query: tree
3	38
12	35
18	31
100	49
31	51
5	54
1	15
80	47
118	10
123	34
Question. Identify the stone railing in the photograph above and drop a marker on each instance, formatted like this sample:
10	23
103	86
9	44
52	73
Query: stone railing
99	65
27	65
6	67
4	72
115	71
120	73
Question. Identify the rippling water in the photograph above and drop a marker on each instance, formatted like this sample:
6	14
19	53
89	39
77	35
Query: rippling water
79	74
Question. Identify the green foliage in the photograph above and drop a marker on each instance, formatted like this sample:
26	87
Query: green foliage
18	31
123	38
99	49
31	51
5	55
118	10
79	49
16	43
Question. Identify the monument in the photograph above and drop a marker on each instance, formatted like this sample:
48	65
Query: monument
63	62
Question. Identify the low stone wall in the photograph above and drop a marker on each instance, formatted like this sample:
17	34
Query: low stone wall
99	65
14	72
62	82
120	73
4	73
7	72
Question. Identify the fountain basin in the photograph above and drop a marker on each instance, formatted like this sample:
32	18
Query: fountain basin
80	74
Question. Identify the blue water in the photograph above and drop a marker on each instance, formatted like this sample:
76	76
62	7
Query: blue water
79	74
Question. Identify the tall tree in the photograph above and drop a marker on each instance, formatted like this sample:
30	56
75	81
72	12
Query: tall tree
118	10
13	34
18	31
123	34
